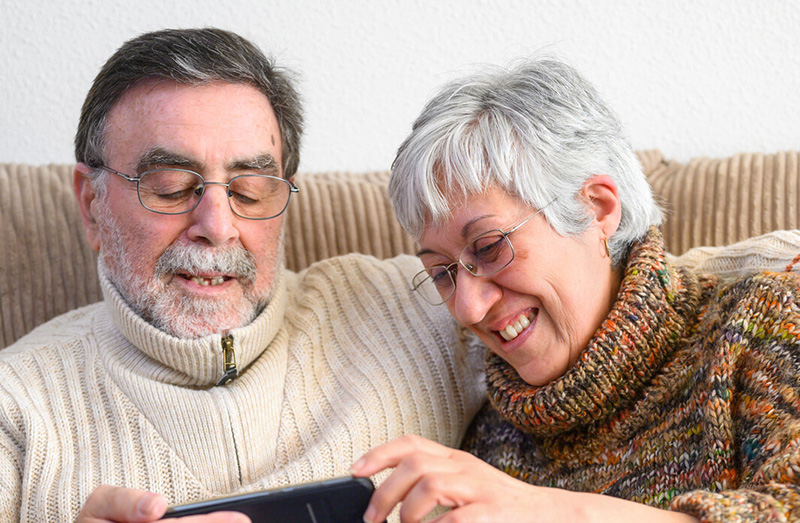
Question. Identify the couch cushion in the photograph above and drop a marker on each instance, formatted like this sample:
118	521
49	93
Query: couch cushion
337	213
726	200
46	267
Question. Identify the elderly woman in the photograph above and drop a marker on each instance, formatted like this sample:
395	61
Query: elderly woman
621	388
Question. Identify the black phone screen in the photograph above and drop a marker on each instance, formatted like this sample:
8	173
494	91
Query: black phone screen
337	500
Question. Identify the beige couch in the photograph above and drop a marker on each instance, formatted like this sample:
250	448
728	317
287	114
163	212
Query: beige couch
46	267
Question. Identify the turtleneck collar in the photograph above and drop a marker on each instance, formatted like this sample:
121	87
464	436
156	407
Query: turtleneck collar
192	362
636	338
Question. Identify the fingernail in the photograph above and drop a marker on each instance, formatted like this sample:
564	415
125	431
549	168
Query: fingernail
355	467
147	505
369	514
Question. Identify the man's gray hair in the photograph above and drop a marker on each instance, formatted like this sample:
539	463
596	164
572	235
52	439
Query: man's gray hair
538	130
190	57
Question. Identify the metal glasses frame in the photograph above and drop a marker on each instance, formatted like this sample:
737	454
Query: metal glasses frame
136	179
468	266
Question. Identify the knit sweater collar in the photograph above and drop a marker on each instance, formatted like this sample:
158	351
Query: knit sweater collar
636	338
193	362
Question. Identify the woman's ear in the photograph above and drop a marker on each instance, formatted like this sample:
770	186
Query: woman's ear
602	197
87	202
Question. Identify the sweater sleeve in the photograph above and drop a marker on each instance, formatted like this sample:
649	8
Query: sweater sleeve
762	337
11	458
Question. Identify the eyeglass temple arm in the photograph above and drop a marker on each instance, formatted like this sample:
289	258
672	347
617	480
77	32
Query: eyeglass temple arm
129	178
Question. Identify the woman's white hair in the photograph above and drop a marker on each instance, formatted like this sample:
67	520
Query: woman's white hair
538	130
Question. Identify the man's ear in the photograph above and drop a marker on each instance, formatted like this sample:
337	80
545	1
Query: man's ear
602	197
87	201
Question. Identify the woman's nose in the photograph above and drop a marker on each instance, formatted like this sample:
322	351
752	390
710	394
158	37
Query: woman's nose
473	298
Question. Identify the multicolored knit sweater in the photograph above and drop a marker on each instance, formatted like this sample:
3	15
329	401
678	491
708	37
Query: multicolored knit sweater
687	397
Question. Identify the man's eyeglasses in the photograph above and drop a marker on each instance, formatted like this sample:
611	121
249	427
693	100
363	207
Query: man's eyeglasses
488	254
178	191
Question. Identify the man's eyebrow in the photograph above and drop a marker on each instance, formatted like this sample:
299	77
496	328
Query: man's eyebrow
261	162
161	156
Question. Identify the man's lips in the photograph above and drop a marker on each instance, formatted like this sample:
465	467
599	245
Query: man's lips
206	280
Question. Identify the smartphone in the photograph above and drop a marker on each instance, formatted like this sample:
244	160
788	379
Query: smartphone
336	500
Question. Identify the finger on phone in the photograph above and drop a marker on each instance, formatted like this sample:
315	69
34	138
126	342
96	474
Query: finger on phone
389	455
108	503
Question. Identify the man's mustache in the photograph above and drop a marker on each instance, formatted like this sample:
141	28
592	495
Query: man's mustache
234	261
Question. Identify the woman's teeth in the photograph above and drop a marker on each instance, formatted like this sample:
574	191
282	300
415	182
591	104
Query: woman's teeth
514	328
216	280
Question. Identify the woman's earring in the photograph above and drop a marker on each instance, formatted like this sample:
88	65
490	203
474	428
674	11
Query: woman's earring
605	244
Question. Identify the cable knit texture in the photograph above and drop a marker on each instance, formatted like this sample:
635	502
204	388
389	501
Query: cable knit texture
342	359
687	397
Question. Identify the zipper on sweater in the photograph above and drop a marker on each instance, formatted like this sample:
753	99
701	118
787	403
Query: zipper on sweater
229	370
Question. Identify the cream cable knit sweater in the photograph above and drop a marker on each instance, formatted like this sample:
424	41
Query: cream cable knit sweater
342	359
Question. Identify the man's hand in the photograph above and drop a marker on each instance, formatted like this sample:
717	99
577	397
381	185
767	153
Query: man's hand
109	504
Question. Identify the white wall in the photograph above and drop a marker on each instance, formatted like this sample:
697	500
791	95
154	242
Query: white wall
691	78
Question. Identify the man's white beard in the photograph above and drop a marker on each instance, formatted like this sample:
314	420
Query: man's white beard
162	305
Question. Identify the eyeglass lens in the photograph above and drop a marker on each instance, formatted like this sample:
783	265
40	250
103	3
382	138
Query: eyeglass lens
175	191
485	255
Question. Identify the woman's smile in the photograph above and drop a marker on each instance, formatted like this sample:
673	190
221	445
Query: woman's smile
540	310
515	327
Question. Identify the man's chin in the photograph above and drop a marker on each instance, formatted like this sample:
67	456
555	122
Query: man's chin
170	308
193	327
192	319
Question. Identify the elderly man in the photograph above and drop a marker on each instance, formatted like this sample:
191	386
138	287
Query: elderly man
209	369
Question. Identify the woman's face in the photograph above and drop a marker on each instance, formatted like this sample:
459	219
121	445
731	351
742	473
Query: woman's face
557	290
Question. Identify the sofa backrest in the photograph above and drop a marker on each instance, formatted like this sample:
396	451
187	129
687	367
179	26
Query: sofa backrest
720	201
46	267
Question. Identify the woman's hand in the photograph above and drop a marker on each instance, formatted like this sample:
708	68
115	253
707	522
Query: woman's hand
428	474
109	504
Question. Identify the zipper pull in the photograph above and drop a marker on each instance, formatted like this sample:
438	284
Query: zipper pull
229	370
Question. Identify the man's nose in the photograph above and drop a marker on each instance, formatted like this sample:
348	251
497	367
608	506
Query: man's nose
213	220
474	296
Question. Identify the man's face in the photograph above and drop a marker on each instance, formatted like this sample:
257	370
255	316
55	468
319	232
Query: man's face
206	271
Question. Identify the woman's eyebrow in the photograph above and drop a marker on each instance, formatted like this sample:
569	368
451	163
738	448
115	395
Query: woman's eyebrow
465	231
